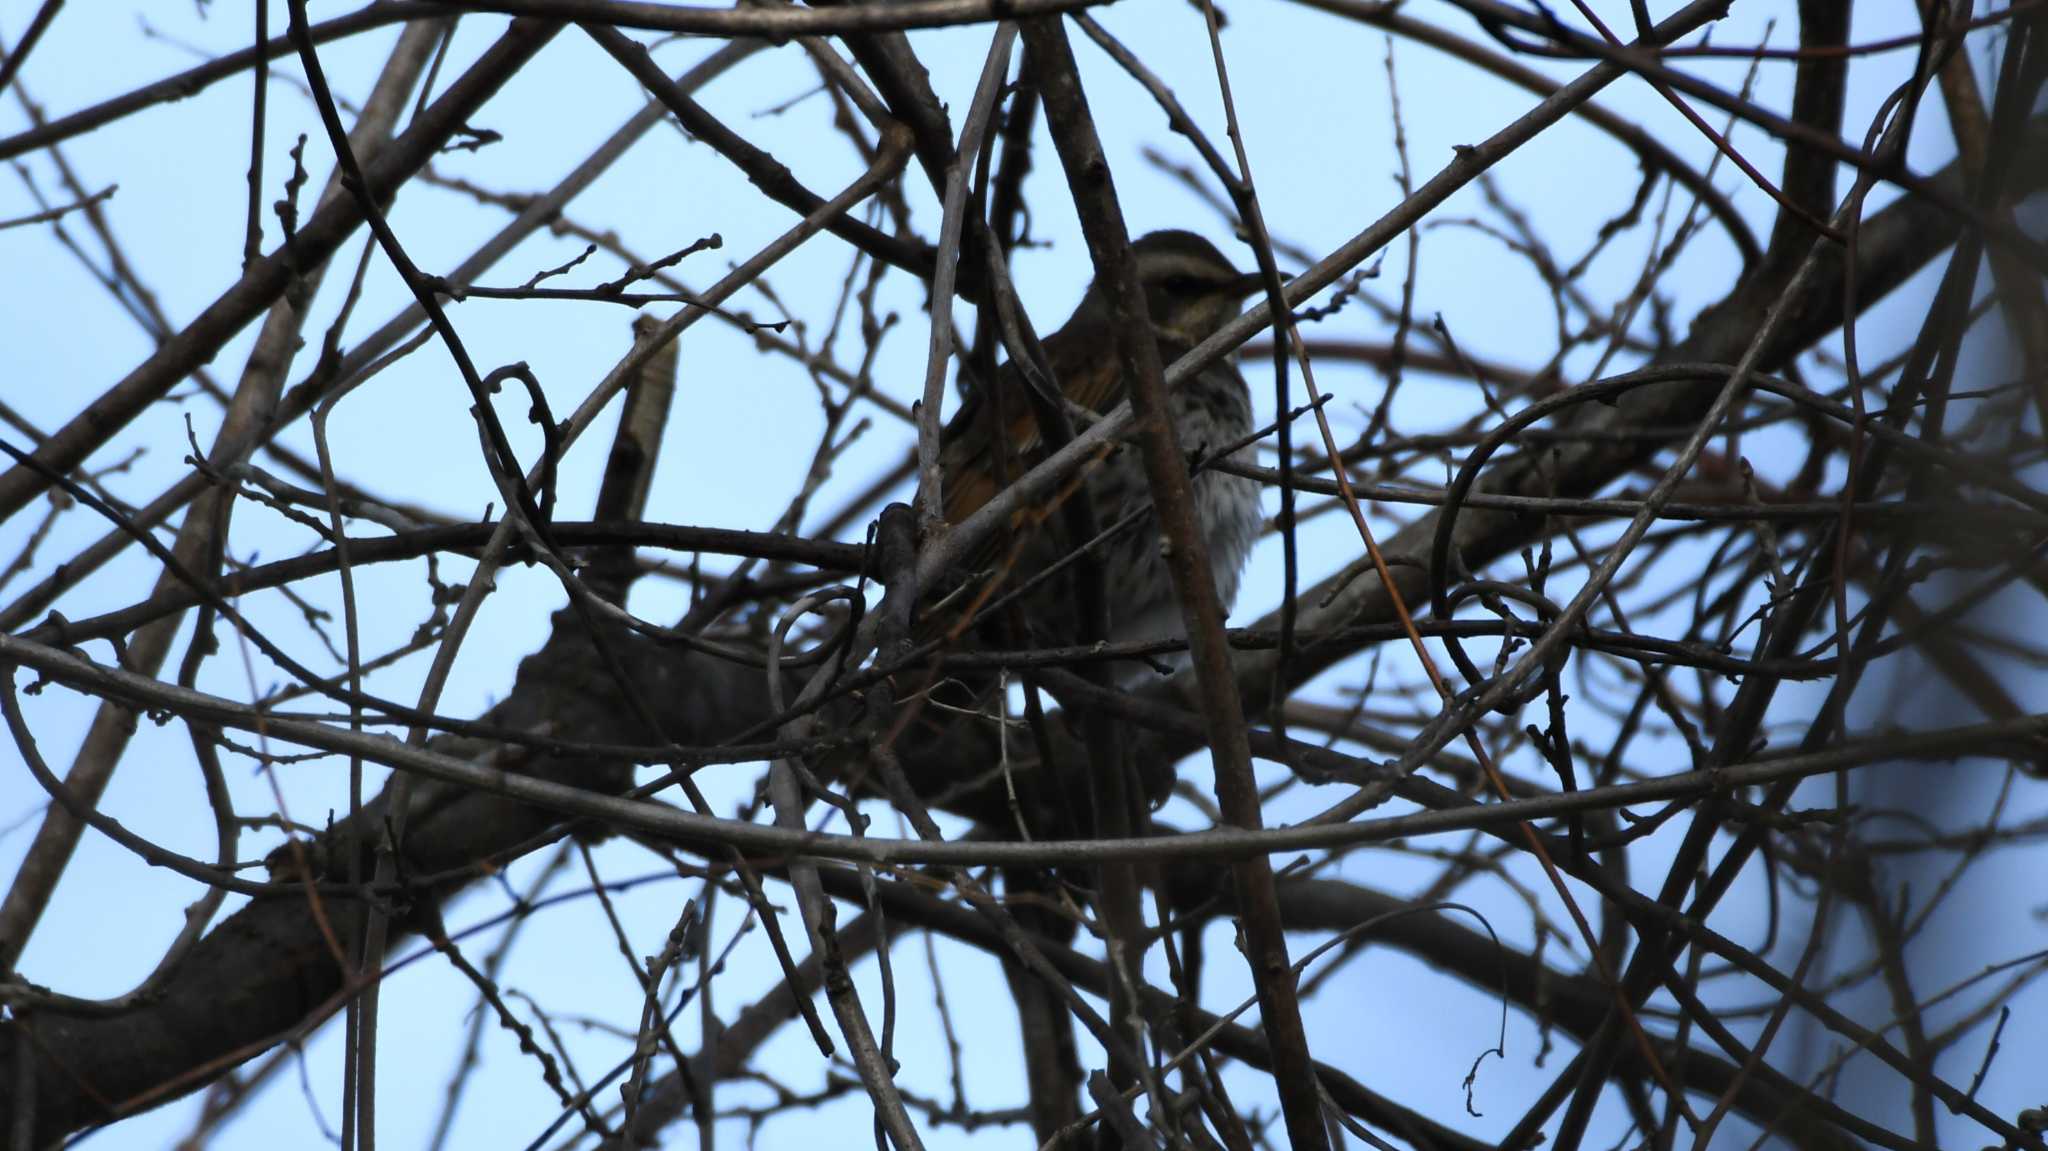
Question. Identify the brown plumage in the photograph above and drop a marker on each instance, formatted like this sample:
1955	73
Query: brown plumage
1192	290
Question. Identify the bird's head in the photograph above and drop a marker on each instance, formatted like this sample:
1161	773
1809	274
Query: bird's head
1190	288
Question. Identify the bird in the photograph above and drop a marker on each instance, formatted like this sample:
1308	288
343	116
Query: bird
1191	291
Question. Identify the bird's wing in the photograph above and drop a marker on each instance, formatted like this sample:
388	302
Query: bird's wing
967	455
967	463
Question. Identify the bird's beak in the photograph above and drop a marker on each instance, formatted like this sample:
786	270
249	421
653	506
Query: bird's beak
1251	284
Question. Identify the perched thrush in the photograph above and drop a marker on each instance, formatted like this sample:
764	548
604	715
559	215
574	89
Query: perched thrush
1191	290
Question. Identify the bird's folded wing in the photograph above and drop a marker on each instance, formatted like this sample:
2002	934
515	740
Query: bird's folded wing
967	457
